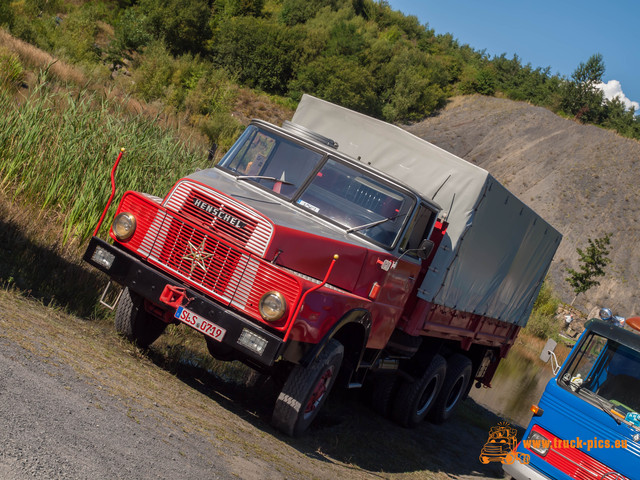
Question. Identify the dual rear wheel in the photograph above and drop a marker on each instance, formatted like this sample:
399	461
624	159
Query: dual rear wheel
434	395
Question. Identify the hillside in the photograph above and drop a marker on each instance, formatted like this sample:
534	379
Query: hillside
580	178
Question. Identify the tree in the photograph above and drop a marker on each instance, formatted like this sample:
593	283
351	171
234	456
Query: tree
263	53
593	261
184	25
337	79
235	8
581	97
299	11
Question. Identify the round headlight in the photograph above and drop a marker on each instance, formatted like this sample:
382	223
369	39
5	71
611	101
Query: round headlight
124	225
272	306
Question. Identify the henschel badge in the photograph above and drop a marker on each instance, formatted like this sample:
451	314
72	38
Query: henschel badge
218	213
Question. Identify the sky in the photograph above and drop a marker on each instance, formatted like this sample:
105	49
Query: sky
559	34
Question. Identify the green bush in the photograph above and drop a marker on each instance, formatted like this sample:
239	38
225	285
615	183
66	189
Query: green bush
37	31
543	326
131	33
221	129
547	303
74	37
234	8
299	11
543	322
153	74
182	24
339	80
186	83
6	14
40	7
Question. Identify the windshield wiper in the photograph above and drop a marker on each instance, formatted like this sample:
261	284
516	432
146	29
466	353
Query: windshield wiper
263	177
373	224
600	403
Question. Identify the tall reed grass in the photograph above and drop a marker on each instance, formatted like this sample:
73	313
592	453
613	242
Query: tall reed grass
57	150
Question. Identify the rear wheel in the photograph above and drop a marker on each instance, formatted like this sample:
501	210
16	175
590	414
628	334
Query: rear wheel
453	389
306	390
414	399
134	322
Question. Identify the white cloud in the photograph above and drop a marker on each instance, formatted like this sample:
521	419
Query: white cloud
613	89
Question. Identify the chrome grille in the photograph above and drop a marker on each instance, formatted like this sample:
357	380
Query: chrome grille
224	216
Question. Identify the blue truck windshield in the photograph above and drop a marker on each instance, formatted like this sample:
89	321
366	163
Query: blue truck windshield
608	369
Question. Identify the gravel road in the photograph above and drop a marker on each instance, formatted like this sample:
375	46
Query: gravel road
56	426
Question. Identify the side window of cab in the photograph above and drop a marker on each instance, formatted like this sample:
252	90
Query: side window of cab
419	230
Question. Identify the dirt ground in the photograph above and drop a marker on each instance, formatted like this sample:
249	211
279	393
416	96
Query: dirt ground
77	402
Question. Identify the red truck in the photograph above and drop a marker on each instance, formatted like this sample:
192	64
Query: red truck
336	247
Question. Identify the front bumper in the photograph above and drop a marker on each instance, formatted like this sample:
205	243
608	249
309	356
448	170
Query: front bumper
520	471
149	282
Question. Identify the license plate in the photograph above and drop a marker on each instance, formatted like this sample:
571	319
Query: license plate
201	324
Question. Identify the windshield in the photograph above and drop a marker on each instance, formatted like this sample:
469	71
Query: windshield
607	369
271	161
357	201
343	194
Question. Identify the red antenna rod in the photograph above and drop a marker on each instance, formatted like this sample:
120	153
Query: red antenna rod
113	191
313	289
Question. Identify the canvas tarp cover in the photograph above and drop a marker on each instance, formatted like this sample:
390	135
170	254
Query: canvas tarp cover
496	251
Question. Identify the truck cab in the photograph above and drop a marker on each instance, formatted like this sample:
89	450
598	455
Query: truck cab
587	423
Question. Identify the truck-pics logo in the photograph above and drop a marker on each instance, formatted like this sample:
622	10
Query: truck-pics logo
219	213
501	445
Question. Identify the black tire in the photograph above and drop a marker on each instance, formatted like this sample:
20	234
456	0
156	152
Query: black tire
453	389
414	399
306	390
383	392
134	322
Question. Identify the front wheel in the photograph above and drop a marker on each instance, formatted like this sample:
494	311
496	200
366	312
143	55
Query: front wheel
306	390
134	322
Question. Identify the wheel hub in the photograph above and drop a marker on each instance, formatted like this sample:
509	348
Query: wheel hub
319	391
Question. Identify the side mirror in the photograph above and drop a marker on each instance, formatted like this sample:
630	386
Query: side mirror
425	249
548	352
548	349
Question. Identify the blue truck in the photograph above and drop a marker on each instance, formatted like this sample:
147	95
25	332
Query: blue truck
587	423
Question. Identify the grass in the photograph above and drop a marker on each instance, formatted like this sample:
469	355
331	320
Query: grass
57	150
37	59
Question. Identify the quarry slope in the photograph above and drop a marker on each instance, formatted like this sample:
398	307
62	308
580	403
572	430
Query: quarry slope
580	178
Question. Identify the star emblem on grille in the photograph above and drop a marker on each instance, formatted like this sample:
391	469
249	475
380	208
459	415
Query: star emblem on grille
197	256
